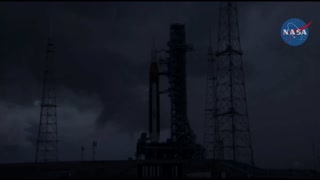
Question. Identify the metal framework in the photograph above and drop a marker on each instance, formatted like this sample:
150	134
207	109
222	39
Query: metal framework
232	139
209	106
181	132
47	141
181	145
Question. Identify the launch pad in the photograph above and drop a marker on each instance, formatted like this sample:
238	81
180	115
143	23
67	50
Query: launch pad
181	146
168	151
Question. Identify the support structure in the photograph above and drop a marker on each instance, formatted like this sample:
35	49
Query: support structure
154	98
163	159
181	133
82	152
232	129
94	145
209	106
47	141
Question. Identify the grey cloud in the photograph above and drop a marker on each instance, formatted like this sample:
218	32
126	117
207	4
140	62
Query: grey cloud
102	60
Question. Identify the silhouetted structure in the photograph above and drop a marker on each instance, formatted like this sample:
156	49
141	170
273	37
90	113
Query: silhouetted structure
154	98
94	145
181	133
47	141
147	143
209	106
232	139
182	143
164	159
82	151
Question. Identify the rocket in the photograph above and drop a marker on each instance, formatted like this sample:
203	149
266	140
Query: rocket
154	100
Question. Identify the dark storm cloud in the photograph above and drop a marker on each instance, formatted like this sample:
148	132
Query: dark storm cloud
102	59
16	51
281	94
95	47
82	64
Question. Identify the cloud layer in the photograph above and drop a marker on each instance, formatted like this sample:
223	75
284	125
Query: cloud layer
102	59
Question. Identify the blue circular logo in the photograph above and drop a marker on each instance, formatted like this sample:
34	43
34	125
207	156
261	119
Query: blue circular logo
295	32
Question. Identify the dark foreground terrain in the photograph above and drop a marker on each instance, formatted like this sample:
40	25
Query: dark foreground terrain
133	169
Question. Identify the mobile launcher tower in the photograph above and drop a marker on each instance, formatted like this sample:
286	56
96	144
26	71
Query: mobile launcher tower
181	145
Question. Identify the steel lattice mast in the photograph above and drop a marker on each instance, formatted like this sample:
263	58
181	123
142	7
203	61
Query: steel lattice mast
232	139
47	141
181	132
210	102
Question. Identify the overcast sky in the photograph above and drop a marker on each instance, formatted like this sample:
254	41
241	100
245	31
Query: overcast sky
102	58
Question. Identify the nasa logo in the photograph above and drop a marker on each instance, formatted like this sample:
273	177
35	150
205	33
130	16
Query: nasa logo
295	32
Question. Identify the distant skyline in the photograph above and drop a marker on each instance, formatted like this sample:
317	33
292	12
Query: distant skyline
102	62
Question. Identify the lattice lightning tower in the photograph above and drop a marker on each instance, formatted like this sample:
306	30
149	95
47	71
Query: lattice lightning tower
232	139
47	142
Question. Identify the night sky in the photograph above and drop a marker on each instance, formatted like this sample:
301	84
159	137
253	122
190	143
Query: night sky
102	63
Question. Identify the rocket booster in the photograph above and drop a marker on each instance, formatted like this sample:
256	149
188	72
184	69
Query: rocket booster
154	104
